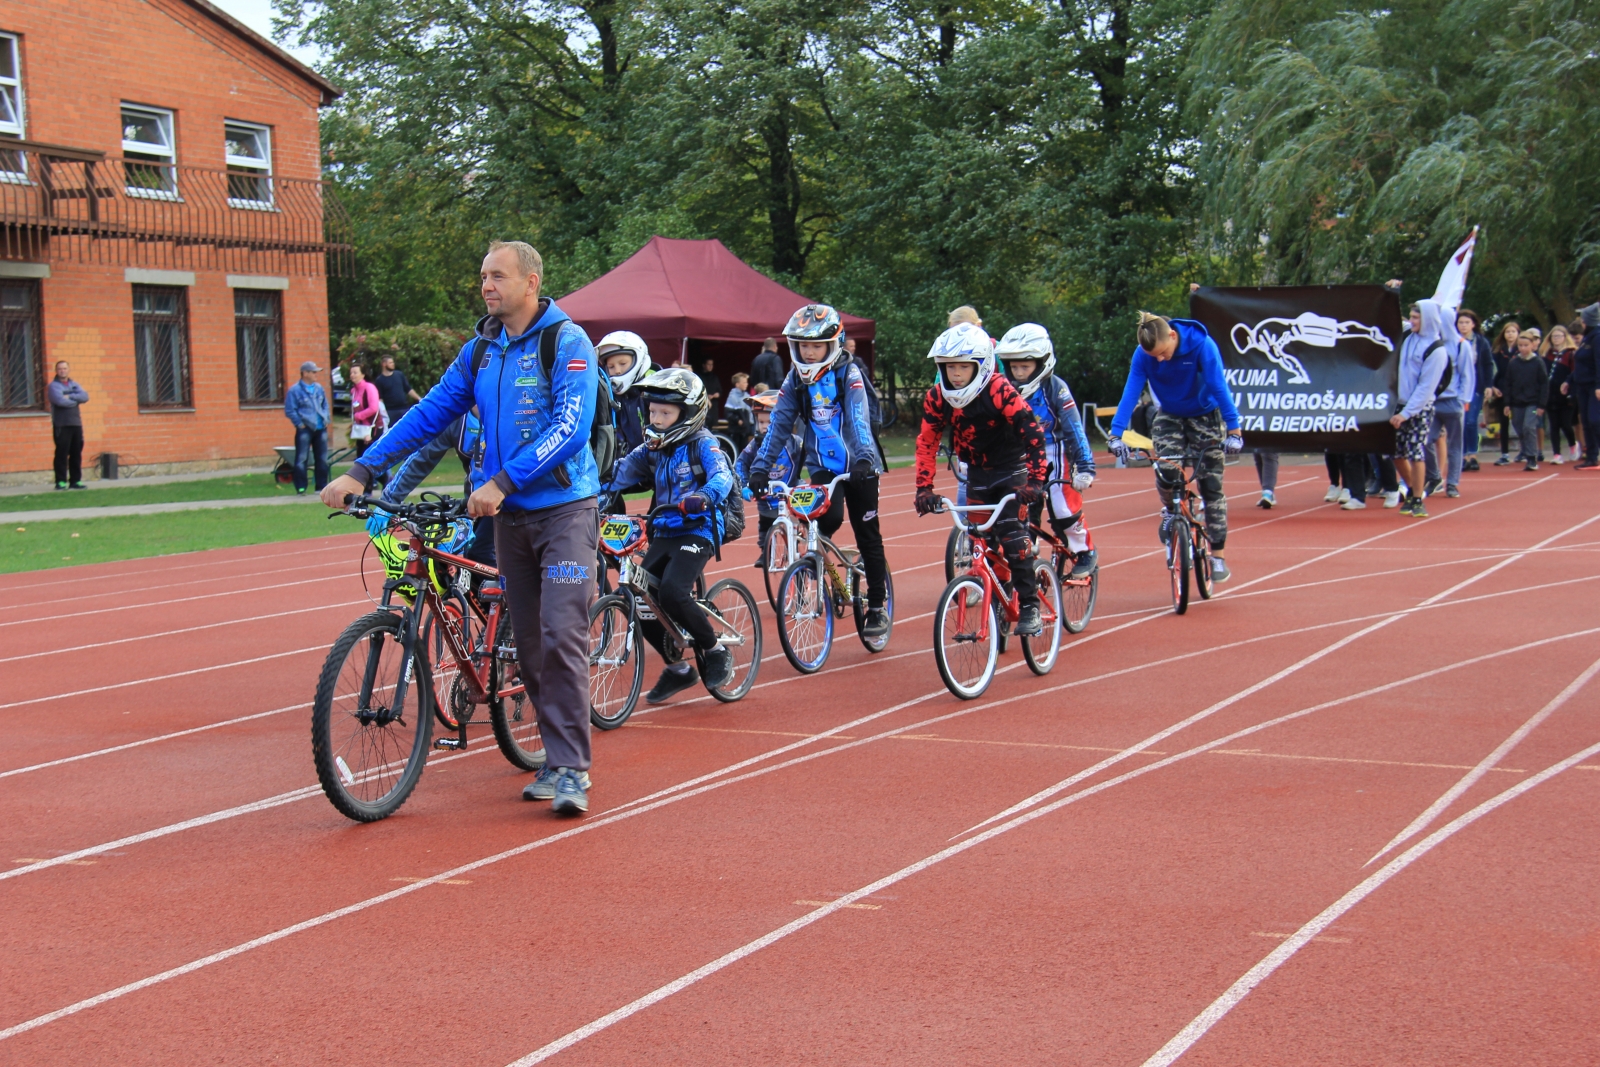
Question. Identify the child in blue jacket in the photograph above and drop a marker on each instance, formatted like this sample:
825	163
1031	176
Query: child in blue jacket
785	465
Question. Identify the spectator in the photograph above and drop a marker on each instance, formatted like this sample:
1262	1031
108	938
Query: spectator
708	378
1576	330
1524	384
366	410
306	405
1558	407
395	392
66	425
1495	410
1445	433
964	313
1267	474
1483	374
769	368
1537	336
1584	386
1422	362
1351	469
736	409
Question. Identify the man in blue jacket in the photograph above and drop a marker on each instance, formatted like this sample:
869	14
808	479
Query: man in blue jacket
1180	363
538	478
306	405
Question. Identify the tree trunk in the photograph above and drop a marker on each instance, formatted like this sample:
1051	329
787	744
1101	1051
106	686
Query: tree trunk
947	36
783	193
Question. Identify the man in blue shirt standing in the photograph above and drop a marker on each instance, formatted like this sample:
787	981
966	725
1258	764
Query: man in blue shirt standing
1179	361
306	405
539	479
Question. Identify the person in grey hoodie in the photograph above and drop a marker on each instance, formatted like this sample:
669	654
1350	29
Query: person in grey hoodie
66	423
1449	413
1423	358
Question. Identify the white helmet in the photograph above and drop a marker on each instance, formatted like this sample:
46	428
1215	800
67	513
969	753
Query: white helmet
814	322
1028	341
963	343
625	341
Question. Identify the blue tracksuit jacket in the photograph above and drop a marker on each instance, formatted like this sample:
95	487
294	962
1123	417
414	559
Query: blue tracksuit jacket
840	430
1188	385
672	476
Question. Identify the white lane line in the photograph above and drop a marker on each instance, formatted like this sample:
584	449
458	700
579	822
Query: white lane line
167	586
151	740
1219	1008
749	949
162	677
1273	679
185	630
162	603
1230	496
1434	810
181	566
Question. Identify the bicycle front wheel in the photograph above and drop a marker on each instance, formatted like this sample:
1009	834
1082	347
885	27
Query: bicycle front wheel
858	601
775	549
957	553
1202	563
1077	601
805	616
1041	652
616	662
965	639
370	747
737	619
1180	558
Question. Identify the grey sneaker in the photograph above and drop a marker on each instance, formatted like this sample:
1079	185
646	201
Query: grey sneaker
1029	624
1219	570
1085	565
572	792
875	623
1452	492
543	786
1165	529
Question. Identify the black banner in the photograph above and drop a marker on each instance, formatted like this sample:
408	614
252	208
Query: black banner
1311	367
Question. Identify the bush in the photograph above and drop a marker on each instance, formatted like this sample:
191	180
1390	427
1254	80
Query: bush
421	352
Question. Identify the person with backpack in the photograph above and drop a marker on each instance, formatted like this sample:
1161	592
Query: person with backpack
1447	432
546	411
681	460
1029	359
825	395
1423	361
626	360
785	467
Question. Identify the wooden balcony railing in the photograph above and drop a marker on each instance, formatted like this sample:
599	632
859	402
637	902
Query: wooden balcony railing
75	204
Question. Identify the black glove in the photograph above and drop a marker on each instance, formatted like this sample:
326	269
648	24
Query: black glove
1030	494
927	501
758	481
693	504
861	471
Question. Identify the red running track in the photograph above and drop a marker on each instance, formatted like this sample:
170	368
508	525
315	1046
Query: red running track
1166	850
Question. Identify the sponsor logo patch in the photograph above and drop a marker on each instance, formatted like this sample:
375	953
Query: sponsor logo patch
529	380
695	549
566	573
577	364
526	435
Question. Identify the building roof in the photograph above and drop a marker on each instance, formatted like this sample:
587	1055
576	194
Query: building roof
330	92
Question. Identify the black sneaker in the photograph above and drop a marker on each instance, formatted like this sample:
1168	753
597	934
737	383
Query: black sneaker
1452	492
1418	509
1531	465
77	485
760	564
1431	484
1087	562
670	684
1029	623
1470	463
719	667
1503	461
876	623
61	485
1165	530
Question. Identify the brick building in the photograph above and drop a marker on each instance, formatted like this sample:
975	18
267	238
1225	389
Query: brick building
163	228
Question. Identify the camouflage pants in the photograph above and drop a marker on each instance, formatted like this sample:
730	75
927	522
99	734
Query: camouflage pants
1201	437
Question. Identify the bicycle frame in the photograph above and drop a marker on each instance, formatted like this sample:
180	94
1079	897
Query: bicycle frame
635	580
988	564
816	543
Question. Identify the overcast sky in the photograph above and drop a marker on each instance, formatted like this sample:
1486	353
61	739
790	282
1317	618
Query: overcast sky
257	14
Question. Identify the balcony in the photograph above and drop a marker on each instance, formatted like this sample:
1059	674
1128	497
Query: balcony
75	204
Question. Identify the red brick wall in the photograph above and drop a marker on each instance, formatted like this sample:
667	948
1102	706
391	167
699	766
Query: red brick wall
80	60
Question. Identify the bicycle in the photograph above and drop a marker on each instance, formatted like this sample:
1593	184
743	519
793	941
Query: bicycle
376	699
1188	548
616	644
779	548
1078	595
969	623
958	546
813	593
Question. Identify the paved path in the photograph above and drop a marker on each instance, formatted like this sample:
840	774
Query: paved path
128	483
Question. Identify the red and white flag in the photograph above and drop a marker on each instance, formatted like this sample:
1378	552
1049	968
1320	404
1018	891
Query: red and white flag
1453	279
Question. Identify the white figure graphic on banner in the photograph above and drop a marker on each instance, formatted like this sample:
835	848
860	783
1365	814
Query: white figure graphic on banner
1272	338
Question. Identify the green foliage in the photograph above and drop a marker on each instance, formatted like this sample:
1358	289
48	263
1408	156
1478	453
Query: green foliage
422	352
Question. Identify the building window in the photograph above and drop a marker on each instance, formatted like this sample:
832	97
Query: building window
12	165
161	345
258	333
149	152
20	351
248	149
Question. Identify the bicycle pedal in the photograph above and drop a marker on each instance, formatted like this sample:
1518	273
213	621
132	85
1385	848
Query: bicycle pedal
506	652
449	743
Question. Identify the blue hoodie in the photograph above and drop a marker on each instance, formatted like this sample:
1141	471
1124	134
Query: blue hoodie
1188	385
839	431
1420	368
671	475
535	427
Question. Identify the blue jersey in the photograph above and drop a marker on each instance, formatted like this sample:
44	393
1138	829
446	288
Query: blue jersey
785	466
672	476
1057	412
839	430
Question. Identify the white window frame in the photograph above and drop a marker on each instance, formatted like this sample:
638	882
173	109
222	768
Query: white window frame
262	169
18	172
168	122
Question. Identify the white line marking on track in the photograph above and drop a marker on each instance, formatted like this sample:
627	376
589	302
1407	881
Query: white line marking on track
300	568
162	677
1219	1008
162	603
102	576
1434	810
185	630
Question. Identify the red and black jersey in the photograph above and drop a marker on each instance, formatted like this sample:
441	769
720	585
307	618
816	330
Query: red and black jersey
996	431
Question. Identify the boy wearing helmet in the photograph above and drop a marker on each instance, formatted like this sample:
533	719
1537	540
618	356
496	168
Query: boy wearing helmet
825	396
683	538
996	435
785	467
626	359
1029	359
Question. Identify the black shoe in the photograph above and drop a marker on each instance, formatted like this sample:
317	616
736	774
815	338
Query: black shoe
670	684
77	485
1165	530
1431	484
1531	465
1503	461
1471	464
1087	562
876	623
61	485
1452	492
1028	622
761	563
719	667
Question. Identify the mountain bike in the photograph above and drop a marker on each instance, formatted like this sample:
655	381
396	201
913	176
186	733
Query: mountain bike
1188	549
616	643
813	593
1078	595
978	608
377	697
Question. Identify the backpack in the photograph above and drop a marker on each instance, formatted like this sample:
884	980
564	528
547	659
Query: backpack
732	506
603	430
1449	368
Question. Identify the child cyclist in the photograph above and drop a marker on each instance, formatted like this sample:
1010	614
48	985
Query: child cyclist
997	436
825	394
682	539
1029	360
785	466
626	360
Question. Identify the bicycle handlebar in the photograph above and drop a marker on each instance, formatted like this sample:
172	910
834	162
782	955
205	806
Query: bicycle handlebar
425	512
783	489
960	509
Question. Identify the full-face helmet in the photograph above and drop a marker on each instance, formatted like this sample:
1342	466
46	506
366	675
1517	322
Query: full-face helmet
814	322
625	341
963	343
680	386
1027	341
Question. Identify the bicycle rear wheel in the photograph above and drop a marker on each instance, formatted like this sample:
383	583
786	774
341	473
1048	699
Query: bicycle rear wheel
1202	563
965	639
1077	601
1179	561
957	553
859	603
805	615
1041	652
737	618
616	662
369	748
776	552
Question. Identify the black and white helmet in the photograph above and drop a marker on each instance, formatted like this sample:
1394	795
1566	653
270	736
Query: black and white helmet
815	322
625	341
680	386
1028	341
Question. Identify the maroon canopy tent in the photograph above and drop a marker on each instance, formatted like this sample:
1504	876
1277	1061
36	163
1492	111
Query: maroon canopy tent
695	300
